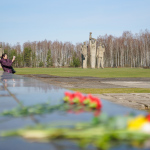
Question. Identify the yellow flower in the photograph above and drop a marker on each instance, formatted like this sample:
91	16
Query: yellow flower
136	123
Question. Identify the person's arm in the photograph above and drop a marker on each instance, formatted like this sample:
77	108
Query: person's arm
13	59
7	63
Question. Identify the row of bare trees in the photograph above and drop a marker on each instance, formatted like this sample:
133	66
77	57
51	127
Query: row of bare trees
128	50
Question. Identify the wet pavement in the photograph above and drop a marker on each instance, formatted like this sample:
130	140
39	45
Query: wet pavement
15	89
139	101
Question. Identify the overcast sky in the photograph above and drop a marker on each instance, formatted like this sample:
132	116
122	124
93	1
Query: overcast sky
70	20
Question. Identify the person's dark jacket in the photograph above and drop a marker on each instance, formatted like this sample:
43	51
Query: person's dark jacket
6	65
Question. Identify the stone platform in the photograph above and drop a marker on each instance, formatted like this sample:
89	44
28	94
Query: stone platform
15	89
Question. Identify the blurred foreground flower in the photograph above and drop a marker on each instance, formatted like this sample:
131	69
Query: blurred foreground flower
140	123
102	131
79	98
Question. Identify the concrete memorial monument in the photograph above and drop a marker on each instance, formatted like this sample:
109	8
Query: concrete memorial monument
84	55
100	56
92	43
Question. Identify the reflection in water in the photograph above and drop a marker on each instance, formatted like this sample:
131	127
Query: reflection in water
5	82
12	80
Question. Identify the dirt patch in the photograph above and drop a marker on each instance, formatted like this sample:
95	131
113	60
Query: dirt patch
75	82
88	82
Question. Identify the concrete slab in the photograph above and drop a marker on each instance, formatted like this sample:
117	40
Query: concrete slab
30	91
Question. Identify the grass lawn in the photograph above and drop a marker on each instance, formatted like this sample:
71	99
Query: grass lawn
72	72
113	90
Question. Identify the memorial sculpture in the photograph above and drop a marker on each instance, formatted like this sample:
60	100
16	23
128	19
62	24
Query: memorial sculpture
84	55
100	56
92	43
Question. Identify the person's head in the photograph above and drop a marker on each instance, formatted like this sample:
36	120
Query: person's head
4	56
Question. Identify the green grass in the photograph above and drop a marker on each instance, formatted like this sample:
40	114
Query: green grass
113	90
72	72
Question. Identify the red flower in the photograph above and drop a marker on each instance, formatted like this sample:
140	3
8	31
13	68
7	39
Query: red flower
83	99
68	94
95	102
79	98
148	117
